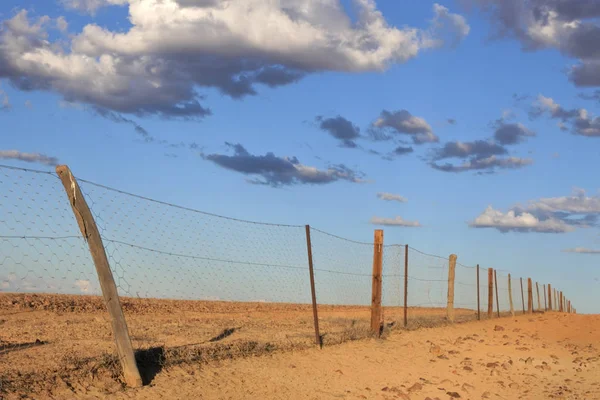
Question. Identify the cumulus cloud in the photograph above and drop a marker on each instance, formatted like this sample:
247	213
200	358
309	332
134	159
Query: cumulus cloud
401	150
484	156
175	48
398	221
391	197
582	250
581	122
570	26
340	128
280	171
402	122
28	157
552	214
518	222
509	134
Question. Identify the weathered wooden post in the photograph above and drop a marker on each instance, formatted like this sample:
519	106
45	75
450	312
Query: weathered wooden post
451	276
90	232
376	325
312	288
510	299
490	293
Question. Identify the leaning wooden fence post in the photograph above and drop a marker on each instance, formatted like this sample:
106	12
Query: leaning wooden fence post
451	276
490	293
90	232
376	289
478	301
497	301
522	296
405	286
549	297
537	289
529	296
510	300
312	287
545	302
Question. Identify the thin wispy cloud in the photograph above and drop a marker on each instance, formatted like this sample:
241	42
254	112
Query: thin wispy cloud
397	221
391	197
582	250
37	158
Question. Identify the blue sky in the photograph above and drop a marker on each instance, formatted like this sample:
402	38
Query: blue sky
462	63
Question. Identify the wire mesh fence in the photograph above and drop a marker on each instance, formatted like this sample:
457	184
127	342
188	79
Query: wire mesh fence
197	285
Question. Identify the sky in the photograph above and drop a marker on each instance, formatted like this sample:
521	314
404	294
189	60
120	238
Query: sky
466	127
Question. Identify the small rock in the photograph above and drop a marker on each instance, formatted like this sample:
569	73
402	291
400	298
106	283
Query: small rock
442	357
454	395
467	388
492	365
414	388
498	328
486	395
467	368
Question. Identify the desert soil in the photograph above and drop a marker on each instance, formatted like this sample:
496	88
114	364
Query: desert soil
537	356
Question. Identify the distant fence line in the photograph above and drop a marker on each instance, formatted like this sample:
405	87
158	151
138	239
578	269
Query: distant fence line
141	247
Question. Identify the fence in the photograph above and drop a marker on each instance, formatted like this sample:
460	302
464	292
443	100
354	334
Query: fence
184	285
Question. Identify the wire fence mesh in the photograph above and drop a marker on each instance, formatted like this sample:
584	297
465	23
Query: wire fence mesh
199	285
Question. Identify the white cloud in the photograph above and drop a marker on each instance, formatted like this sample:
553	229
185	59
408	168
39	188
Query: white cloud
582	250
391	197
172	49
520	222
83	285
577	203
398	221
62	24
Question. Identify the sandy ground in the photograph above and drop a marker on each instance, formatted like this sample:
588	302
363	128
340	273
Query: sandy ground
535	356
548	356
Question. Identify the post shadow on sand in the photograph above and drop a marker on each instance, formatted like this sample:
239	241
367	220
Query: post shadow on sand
150	362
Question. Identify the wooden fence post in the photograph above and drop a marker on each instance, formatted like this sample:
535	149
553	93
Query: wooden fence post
451	276
545	302
497	301
561	302
406	286
522	296
549	297
478	301
90	232
529	296
313	292
510	299
537	289
490	293
376	325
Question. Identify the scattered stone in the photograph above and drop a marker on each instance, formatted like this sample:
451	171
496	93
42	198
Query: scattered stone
492	365
454	395
467	368
414	388
467	388
498	328
442	357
